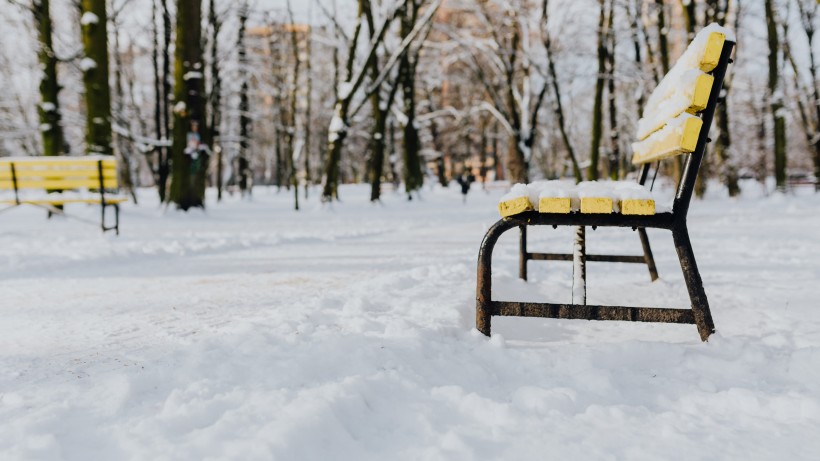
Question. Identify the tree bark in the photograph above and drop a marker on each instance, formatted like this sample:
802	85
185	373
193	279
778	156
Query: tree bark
292	115
413	176
189	161
614	135
95	77
597	108
49	110
717	11
216	96
776	97
245	182
558	107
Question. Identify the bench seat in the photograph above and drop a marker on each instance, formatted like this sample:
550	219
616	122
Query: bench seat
675	121
562	197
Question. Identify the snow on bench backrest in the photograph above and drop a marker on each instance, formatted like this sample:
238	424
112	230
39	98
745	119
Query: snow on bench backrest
667	127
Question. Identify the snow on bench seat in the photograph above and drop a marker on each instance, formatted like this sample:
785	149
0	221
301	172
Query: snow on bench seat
517	200
563	197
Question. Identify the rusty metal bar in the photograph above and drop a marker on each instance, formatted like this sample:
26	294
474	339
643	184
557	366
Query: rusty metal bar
594	258
534	218
589	312
484	277
694	284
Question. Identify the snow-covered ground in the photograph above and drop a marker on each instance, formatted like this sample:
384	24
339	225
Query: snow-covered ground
254	332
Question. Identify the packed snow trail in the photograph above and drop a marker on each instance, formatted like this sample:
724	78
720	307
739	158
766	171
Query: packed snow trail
254	332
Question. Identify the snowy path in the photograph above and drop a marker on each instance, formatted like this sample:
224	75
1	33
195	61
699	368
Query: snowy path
347	334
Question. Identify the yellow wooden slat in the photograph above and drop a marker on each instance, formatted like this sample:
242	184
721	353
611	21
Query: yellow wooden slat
637	206
514	206
22	168
668	142
596	205
701	93
57	174
59	201
698	98
58	184
712	51
53	162
562	205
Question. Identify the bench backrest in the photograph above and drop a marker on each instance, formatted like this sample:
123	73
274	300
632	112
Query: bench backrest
679	113
58	173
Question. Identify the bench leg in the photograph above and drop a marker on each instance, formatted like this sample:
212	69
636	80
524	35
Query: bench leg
117	219
116	226
579	267
484	279
697	295
523	257
647	254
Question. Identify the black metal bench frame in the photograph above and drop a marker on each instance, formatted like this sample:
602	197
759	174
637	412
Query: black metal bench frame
675	221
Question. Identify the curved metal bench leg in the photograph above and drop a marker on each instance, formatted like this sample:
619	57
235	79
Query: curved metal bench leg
700	305
647	254
483	310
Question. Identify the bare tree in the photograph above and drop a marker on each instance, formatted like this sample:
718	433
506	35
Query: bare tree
49	108
95	76
355	72
775	94
503	66
810	118
189	162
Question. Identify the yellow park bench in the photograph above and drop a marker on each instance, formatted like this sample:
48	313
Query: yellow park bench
676	121
52	182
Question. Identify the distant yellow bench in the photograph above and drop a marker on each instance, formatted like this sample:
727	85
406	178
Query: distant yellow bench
51	182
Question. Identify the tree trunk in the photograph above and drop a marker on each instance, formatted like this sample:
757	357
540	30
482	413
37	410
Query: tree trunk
597	108
293	93
663	39
49	109
190	160
634	26
614	136
336	137
717	11
95	77
377	147
308	108
558	107
245	182
776	97
158	151
337	133
164	167
516	162
216	96
123	148
689	17
413	176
